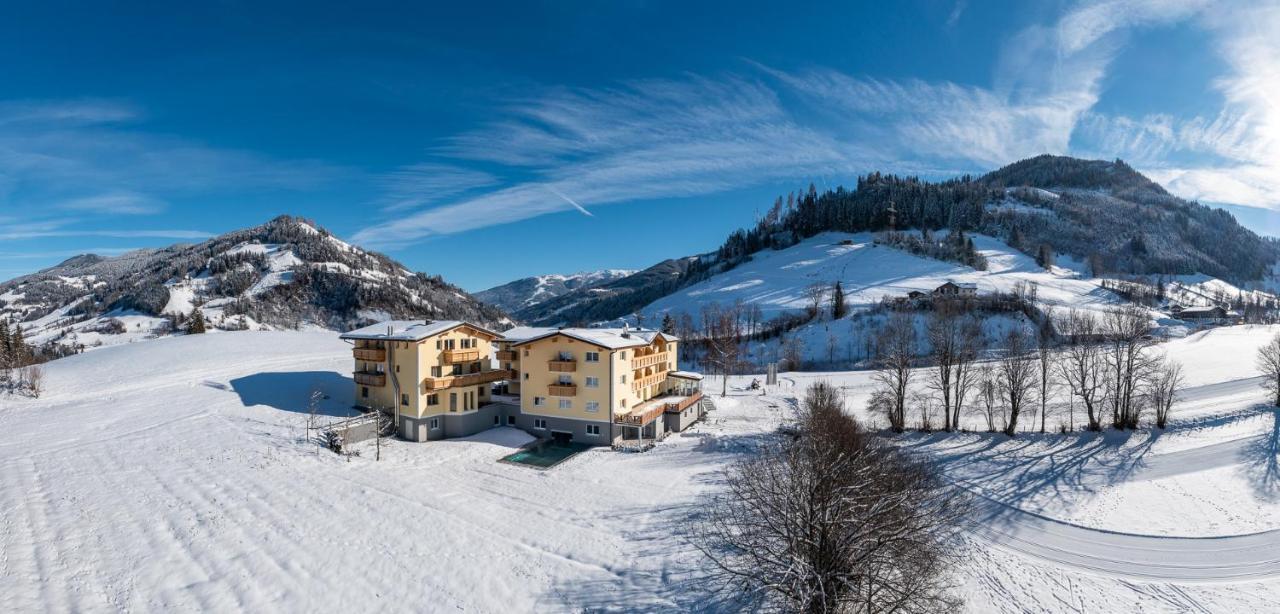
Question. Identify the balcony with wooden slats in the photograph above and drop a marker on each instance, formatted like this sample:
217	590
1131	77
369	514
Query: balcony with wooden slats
562	366
507	355
466	379
454	356
562	390
370	378
648	380
649	360
370	354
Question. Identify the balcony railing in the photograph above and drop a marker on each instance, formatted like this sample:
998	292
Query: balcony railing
467	379
683	404
648	380
507	355
370	378
562	390
370	354
563	366
642	418
452	356
641	362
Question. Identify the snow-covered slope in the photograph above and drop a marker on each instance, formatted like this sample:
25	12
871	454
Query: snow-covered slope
286	273
777	281
529	291
171	476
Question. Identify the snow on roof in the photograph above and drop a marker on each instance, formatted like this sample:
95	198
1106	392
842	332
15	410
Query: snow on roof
409	330
686	375
612	338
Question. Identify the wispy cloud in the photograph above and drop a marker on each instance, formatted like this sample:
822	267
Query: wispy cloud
643	139
16	235
586	147
119	203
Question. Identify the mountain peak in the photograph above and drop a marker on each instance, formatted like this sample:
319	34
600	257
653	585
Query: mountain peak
1049	171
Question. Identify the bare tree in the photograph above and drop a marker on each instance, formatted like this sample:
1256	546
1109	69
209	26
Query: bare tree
1127	338
1268	362
989	394
32	377
815	293
722	331
1044	359
834	521
1017	374
955	344
895	356
1081	365
1165	382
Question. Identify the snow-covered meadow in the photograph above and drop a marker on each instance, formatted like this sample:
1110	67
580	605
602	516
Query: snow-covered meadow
170	475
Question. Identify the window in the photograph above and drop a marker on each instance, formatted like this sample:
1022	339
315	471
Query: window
435	424
497	420
526	351
364	392
433	399
539	401
593	357
511	420
622	404
593	382
439	344
397	368
564	380
593	430
623	379
566	403
435	371
404	399
593	406
540	424
526	375
457	370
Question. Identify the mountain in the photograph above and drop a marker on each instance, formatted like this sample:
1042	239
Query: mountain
1104	216
285	274
522	293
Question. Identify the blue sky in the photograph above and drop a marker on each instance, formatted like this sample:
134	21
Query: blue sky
625	132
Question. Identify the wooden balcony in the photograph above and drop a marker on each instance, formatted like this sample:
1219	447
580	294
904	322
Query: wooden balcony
467	379
507	355
370	354
562	390
562	366
453	356
648	380
370	378
642	418
684	404
640	362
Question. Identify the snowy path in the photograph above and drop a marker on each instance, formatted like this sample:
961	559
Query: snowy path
1138	557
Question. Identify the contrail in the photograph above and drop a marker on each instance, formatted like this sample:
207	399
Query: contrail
569	200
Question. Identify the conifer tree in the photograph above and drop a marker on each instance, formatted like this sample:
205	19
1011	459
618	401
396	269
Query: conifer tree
837	302
197	322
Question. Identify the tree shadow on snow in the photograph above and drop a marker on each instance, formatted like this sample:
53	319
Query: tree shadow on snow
1262	460
665	573
291	391
1048	466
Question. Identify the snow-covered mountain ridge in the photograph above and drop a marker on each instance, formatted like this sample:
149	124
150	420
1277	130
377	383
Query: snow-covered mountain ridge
529	291
285	274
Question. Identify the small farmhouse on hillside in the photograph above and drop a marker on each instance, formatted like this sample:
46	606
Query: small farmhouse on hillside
953	289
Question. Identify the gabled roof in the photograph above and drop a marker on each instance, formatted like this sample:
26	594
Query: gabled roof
410	330
609	338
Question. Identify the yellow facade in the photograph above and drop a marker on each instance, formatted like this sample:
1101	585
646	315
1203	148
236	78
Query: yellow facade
446	372
566	377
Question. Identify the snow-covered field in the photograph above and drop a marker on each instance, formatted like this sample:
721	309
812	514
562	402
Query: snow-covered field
170	475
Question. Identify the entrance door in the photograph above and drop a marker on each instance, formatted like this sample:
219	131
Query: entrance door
453	401
561	437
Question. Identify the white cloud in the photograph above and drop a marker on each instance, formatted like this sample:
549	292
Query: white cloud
118	203
644	139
